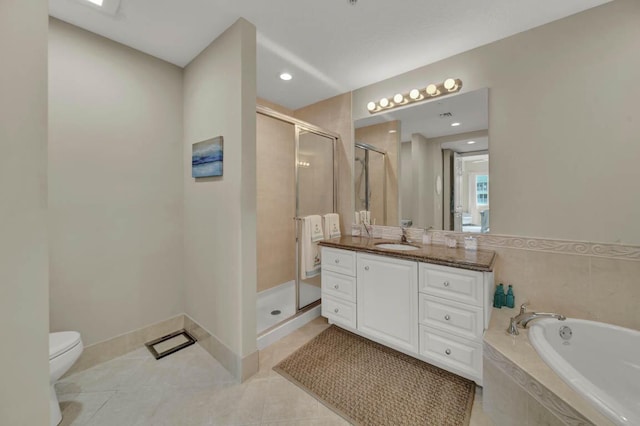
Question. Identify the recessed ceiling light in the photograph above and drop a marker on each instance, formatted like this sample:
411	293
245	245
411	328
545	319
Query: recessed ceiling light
471	142
455	124
286	76
96	2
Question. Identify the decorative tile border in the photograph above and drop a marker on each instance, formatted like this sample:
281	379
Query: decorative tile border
489	241
537	390
613	251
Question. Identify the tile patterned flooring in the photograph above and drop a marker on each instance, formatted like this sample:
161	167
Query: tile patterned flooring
191	388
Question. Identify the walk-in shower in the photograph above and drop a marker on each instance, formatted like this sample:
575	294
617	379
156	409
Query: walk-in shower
296	177
370	171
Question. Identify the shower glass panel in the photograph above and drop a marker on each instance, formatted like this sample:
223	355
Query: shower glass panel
315	188
276	231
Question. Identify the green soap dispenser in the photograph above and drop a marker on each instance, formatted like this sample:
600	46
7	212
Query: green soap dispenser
510	299
498	297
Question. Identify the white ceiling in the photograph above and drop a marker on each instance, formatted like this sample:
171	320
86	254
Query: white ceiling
329	46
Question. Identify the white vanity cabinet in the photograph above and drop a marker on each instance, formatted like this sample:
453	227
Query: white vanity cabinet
454	310
387	305
435	313
339	286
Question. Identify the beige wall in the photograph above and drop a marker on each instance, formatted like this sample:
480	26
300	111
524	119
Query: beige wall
276	197
334	114
24	289
406	182
220	213
275	107
426	164
378	135
115	192
564	96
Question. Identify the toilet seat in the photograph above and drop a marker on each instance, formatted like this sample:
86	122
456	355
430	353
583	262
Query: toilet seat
62	342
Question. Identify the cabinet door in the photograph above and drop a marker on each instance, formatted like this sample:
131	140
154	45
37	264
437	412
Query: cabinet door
387	300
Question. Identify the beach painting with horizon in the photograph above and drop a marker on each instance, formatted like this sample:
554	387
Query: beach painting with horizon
206	158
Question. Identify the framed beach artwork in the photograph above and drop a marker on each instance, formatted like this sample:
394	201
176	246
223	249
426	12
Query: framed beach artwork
206	158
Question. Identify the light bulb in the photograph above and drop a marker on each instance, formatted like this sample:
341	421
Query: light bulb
384	102
450	84
398	98
414	94
432	90
286	76
471	142
455	124
371	106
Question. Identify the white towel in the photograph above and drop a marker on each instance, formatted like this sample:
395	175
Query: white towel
365	217
310	252
331	226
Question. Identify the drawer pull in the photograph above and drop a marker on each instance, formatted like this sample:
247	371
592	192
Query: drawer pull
337	260
336	286
447	317
448	352
446	283
336	310
366	268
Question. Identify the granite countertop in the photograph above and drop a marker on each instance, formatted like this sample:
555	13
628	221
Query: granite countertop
516	354
475	260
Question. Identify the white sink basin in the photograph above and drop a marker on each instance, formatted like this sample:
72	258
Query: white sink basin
394	246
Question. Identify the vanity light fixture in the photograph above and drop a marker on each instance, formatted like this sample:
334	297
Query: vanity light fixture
433	90
451	85
286	76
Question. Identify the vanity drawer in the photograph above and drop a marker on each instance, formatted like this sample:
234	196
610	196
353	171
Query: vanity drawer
341	261
459	355
451	283
454	317
339	285
339	311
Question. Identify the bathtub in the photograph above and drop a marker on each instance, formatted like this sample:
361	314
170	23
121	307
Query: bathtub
599	361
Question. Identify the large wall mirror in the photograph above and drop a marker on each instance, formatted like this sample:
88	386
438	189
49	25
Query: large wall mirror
426	165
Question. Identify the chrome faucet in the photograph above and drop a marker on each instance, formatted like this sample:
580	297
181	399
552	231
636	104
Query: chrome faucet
404	235
524	318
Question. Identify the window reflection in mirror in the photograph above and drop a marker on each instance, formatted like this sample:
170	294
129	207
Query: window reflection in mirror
413	168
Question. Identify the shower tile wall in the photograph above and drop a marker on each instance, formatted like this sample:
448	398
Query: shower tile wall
275	202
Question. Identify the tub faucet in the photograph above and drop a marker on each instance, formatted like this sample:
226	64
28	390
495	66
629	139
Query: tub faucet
524	318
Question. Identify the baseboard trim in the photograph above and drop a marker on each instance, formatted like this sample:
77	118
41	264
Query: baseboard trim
240	367
107	350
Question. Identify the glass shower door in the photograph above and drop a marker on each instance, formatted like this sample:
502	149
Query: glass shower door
315	195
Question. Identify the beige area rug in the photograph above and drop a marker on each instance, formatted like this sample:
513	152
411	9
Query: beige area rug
370	384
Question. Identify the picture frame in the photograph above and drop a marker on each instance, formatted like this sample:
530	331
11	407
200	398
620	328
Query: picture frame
207	158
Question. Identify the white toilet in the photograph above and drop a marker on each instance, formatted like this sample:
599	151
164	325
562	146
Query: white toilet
64	350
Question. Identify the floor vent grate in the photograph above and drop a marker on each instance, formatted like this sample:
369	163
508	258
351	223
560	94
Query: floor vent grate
169	344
